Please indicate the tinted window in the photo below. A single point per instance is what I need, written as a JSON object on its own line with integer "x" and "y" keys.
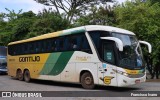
{"x": 77, "y": 42}
{"x": 95, "y": 35}
{"x": 108, "y": 52}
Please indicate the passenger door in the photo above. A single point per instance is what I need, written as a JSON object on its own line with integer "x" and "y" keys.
{"x": 109, "y": 63}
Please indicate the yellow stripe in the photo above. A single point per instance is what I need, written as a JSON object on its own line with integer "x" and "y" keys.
{"x": 132, "y": 71}
{"x": 45, "y": 36}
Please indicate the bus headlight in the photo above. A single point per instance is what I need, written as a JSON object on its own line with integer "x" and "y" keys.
{"x": 122, "y": 73}
{"x": 125, "y": 74}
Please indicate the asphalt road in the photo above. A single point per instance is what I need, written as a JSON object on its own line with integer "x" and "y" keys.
{"x": 10, "y": 84}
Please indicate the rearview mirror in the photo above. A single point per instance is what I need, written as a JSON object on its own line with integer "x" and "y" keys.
{"x": 117, "y": 40}
{"x": 148, "y": 44}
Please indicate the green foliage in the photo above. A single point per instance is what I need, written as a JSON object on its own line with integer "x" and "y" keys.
{"x": 97, "y": 16}
{"x": 12, "y": 15}
{"x": 72, "y": 8}
{"x": 26, "y": 25}
{"x": 143, "y": 19}
{"x": 155, "y": 1}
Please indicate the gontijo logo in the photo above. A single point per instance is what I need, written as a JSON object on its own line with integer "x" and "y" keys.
{"x": 29, "y": 59}
{"x": 107, "y": 79}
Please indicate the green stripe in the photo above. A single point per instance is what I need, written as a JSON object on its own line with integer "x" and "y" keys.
{"x": 73, "y": 32}
{"x": 56, "y": 63}
{"x": 61, "y": 63}
{"x": 48, "y": 66}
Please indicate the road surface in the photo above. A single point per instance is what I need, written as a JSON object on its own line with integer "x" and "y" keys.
{"x": 10, "y": 84}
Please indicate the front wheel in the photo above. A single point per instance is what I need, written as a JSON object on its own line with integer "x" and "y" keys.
{"x": 87, "y": 81}
{"x": 27, "y": 77}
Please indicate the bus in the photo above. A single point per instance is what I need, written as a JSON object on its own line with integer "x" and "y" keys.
{"x": 90, "y": 55}
{"x": 3, "y": 60}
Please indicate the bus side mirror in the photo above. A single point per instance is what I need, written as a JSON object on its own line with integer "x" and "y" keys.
{"x": 117, "y": 40}
{"x": 148, "y": 44}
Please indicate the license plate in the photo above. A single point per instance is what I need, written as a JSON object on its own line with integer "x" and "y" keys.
{"x": 137, "y": 81}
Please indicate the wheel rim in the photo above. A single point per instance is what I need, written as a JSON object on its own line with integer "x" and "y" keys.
{"x": 19, "y": 75}
{"x": 27, "y": 76}
{"x": 88, "y": 80}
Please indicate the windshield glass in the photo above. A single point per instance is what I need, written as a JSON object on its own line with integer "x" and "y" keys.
{"x": 131, "y": 56}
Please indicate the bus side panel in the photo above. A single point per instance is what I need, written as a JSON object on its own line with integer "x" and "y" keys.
{"x": 55, "y": 65}
{"x": 29, "y": 62}
{"x": 69, "y": 73}
{"x": 86, "y": 62}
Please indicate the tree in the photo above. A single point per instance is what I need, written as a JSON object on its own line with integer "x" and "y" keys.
{"x": 2, "y": 22}
{"x": 12, "y": 14}
{"x": 155, "y": 1}
{"x": 71, "y": 7}
{"x": 143, "y": 19}
{"x": 48, "y": 21}
{"x": 97, "y": 16}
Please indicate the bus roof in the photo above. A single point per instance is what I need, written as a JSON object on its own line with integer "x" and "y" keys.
{"x": 74, "y": 31}
{"x": 108, "y": 28}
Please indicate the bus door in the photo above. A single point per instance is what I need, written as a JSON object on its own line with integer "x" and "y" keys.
{"x": 106, "y": 71}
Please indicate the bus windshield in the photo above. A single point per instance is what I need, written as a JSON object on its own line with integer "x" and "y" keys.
{"x": 131, "y": 57}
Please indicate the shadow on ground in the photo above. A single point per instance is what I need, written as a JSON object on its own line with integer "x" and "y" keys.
{"x": 72, "y": 85}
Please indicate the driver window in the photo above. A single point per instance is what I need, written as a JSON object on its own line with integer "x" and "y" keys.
{"x": 108, "y": 53}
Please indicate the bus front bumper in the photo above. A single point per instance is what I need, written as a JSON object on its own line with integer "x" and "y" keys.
{"x": 127, "y": 81}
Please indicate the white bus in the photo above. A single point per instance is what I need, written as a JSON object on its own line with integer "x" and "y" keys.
{"x": 90, "y": 55}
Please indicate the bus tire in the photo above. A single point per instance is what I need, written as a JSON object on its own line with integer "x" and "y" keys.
{"x": 19, "y": 75}
{"x": 27, "y": 76}
{"x": 87, "y": 81}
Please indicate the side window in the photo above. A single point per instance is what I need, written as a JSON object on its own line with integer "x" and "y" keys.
{"x": 108, "y": 52}
{"x": 66, "y": 43}
{"x": 18, "y": 49}
{"x": 31, "y": 48}
{"x": 73, "y": 43}
{"x": 53, "y": 45}
{"x": 77, "y": 42}
{"x": 26, "y": 48}
{"x": 95, "y": 36}
{"x": 61, "y": 44}
{"x": 42, "y": 46}
{"x": 85, "y": 45}
{"x": 23, "y": 48}
{"x": 38, "y": 45}
{"x": 10, "y": 50}
{"x": 48, "y": 45}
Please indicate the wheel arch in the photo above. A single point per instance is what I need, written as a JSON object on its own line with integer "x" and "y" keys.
{"x": 86, "y": 70}
{"x": 28, "y": 70}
